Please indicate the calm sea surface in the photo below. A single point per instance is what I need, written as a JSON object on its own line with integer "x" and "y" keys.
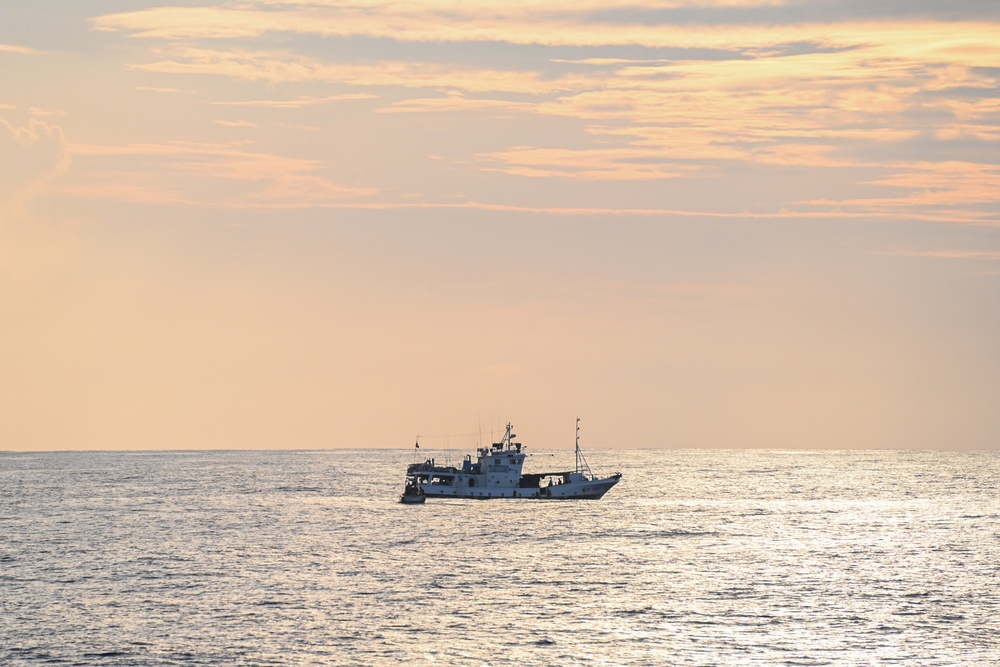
{"x": 306, "y": 558}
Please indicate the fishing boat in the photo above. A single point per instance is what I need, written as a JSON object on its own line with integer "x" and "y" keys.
{"x": 496, "y": 473}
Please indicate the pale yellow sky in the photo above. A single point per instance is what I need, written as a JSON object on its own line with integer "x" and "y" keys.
{"x": 315, "y": 223}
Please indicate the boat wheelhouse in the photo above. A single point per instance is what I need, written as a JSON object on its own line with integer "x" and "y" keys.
{"x": 496, "y": 473}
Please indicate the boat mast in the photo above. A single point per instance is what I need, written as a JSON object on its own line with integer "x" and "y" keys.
{"x": 578, "y": 444}
{"x": 581, "y": 461}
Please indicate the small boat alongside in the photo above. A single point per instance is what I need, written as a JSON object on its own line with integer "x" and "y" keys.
{"x": 412, "y": 494}
{"x": 496, "y": 473}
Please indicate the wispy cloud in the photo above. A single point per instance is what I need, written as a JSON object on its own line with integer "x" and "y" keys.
{"x": 948, "y": 190}
{"x": 218, "y": 175}
{"x": 523, "y": 22}
{"x": 22, "y": 50}
{"x": 289, "y": 67}
{"x": 39, "y": 112}
{"x": 298, "y": 102}
{"x": 591, "y": 164}
{"x": 455, "y": 101}
{"x": 158, "y": 89}
{"x": 946, "y": 254}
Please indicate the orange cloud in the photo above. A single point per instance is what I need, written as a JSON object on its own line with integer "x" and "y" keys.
{"x": 553, "y": 23}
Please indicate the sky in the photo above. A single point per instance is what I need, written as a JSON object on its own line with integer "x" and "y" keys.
{"x": 293, "y": 224}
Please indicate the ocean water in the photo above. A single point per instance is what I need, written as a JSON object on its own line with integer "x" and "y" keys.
{"x": 306, "y": 558}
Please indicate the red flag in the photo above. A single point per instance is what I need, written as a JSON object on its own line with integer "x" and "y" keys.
{"x": 416, "y": 445}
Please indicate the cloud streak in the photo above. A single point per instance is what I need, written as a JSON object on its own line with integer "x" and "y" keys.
{"x": 950, "y": 254}
{"x": 225, "y": 175}
{"x": 20, "y": 50}
{"x": 300, "y": 102}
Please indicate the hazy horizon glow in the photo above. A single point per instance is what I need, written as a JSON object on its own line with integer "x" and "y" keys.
{"x": 315, "y": 223}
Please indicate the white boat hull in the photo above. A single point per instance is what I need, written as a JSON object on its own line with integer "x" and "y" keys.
{"x": 582, "y": 490}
